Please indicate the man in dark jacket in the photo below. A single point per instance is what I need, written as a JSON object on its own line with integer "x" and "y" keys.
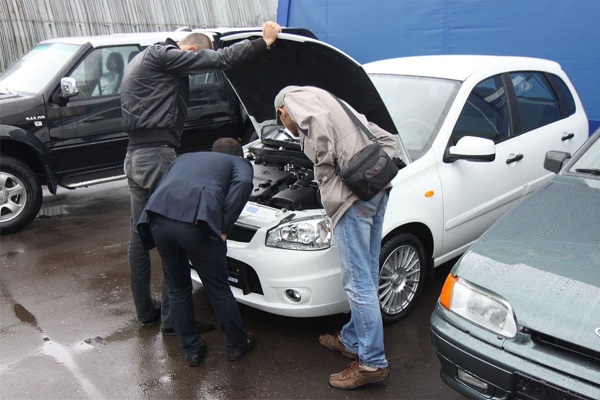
{"x": 153, "y": 102}
{"x": 188, "y": 217}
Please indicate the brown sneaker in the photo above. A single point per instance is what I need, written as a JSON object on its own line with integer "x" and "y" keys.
{"x": 355, "y": 376}
{"x": 333, "y": 342}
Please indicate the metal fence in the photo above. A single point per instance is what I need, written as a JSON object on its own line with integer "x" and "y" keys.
{"x": 23, "y": 23}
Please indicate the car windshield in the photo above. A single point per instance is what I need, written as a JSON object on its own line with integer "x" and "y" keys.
{"x": 418, "y": 106}
{"x": 589, "y": 161}
{"x": 34, "y": 70}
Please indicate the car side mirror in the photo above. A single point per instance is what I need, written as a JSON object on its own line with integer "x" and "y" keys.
{"x": 68, "y": 88}
{"x": 471, "y": 148}
{"x": 555, "y": 160}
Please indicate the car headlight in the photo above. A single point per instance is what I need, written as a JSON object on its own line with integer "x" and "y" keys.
{"x": 301, "y": 234}
{"x": 479, "y": 306}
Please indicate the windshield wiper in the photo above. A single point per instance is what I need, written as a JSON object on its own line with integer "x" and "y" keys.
{"x": 5, "y": 91}
{"x": 593, "y": 171}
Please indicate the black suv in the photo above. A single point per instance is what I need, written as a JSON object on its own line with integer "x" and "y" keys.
{"x": 60, "y": 117}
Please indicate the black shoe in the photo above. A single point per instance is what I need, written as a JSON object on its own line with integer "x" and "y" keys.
{"x": 201, "y": 327}
{"x": 195, "y": 359}
{"x": 234, "y": 354}
{"x": 154, "y": 318}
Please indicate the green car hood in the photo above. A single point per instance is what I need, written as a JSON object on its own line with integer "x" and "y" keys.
{"x": 543, "y": 257}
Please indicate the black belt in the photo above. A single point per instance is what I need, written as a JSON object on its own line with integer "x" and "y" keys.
{"x": 132, "y": 147}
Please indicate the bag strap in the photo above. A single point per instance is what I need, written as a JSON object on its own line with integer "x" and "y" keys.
{"x": 357, "y": 121}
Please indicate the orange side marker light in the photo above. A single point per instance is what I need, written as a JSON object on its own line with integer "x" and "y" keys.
{"x": 446, "y": 295}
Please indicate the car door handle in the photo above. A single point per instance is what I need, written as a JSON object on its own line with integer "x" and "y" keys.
{"x": 516, "y": 158}
{"x": 567, "y": 136}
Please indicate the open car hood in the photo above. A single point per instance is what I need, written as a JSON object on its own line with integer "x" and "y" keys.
{"x": 303, "y": 61}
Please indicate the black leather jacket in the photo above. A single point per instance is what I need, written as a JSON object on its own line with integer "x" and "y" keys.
{"x": 155, "y": 87}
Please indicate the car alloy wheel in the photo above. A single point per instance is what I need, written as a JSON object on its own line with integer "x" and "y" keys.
{"x": 20, "y": 195}
{"x": 401, "y": 276}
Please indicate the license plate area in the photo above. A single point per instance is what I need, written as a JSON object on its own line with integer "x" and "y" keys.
{"x": 528, "y": 388}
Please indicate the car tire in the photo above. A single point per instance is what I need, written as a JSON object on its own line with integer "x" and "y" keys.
{"x": 20, "y": 195}
{"x": 401, "y": 276}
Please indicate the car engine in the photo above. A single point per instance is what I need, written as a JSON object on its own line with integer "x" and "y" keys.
{"x": 283, "y": 175}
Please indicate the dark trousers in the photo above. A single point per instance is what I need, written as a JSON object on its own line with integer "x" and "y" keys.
{"x": 177, "y": 242}
{"x": 144, "y": 169}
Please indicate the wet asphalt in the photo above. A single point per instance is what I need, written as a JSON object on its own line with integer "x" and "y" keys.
{"x": 68, "y": 328}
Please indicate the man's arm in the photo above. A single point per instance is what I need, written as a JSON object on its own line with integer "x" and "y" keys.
{"x": 238, "y": 194}
{"x": 182, "y": 62}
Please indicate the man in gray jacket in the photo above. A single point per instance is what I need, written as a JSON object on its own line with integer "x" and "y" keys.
{"x": 154, "y": 107}
{"x": 328, "y": 133}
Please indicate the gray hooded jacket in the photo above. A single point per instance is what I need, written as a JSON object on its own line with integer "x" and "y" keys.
{"x": 326, "y": 131}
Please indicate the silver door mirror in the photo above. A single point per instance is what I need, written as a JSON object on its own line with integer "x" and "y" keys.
{"x": 68, "y": 87}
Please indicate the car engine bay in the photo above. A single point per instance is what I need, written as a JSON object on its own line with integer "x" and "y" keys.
{"x": 283, "y": 175}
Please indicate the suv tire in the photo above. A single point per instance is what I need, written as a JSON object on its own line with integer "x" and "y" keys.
{"x": 20, "y": 195}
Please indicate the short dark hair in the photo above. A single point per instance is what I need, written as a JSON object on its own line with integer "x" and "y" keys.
{"x": 228, "y": 146}
{"x": 197, "y": 39}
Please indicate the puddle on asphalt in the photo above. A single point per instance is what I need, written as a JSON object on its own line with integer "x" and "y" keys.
{"x": 63, "y": 356}
{"x": 11, "y": 254}
{"x": 24, "y": 315}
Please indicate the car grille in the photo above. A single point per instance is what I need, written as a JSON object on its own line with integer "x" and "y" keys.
{"x": 565, "y": 347}
{"x": 242, "y": 233}
{"x": 243, "y": 276}
{"x": 527, "y": 388}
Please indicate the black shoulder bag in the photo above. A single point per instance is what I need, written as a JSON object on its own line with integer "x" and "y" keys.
{"x": 369, "y": 170}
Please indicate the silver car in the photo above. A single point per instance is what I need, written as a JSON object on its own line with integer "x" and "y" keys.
{"x": 519, "y": 314}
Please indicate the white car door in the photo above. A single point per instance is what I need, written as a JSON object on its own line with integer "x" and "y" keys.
{"x": 475, "y": 193}
{"x": 543, "y": 124}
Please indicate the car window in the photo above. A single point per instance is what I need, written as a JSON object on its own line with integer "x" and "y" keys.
{"x": 418, "y": 107}
{"x": 485, "y": 114}
{"x": 536, "y": 102}
{"x": 197, "y": 81}
{"x": 588, "y": 162}
{"x": 36, "y": 69}
{"x": 100, "y": 73}
{"x": 565, "y": 96}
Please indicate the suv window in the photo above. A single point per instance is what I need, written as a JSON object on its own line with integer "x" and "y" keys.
{"x": 101, "y": 72}
{"x": 536, "y": 102}
{"x": 36, "y": 69}
{"x": 485, "y": 113}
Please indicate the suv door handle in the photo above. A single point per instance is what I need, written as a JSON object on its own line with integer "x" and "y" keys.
{"x": 567, "y": 136}
{"x": 516, "y": 158}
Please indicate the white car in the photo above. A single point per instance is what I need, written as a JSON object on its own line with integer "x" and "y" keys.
{"x": 473, "y": 132}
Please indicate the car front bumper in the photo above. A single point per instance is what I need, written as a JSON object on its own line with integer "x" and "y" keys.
{"x": 261, "y": 277}
{"x": 469, "y": 364}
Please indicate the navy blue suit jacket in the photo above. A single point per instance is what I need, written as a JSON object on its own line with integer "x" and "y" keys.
{"x": 204, "y": 186}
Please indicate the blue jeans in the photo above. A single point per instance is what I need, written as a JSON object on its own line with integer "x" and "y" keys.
{"x": 358, "y": 236}
{"x": 144, "y": 169}
{"x": 177, "y": 242}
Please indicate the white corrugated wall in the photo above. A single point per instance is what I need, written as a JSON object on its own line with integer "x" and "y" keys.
{"x": 23, "y": 23}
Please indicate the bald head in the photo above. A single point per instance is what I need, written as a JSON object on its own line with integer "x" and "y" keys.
{"x": 195, "y": 42}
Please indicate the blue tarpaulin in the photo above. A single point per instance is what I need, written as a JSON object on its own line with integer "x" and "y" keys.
{"x": 566, "y": 31}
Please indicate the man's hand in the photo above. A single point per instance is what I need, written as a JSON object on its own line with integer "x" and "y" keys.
{"x": 223, "y": 237}
{"x": 270, "y": 31}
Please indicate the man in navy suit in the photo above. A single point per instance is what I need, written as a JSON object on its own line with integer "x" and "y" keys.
{"x": 188, "y": 217}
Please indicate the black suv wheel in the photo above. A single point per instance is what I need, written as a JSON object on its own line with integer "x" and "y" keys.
{"x": 20, "y": 195}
